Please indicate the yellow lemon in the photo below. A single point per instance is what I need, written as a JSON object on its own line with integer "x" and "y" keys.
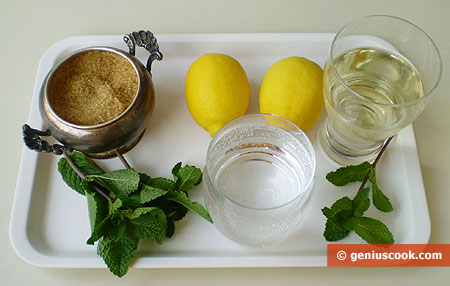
{"x": 217, "y": 91}
{"x": 292, "y": 88}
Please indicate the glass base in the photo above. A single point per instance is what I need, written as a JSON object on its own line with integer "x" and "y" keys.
{"x": 341, "y": 152}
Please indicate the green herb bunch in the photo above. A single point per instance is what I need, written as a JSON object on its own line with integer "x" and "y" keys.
{"x": 347, "y": 215}
{"x": 125, "y": 206}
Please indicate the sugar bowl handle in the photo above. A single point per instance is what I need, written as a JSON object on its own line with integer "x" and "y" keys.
{"x": 32, "y": 139}
{"x": 146, "y": 40}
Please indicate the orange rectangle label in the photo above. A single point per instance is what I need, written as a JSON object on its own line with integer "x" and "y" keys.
{"x": 372, "y": 255}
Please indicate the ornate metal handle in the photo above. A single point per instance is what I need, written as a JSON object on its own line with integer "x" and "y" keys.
{"x": 32, "y": 139}
{"x": 146, "y": 40}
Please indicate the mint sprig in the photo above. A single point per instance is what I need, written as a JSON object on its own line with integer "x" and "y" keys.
{"x": 126, "y": 206}
{"x": 346, "y": 214}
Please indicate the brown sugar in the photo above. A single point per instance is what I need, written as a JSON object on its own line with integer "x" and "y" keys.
{"x": 92, "y": 87}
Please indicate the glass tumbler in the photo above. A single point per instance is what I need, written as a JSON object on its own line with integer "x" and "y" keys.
{"x": 258, "y": 178}
{"x": 379, "y": 77}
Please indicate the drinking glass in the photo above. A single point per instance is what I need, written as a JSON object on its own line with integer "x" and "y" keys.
{"x": 380, "y": 75}
{"x": 258, "y": 179}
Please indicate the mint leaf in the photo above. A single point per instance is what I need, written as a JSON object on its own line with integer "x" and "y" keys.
{"x": 344, "y": 203}
{"x": 329, "y": 213}
{"x": 175, "y": 169}
{"x": 131, "y": 201}
{"x": 145, "y": 179}
{"x": 70, "y": 177}
{"x": 116, "y": 230}
{"x": 120, "y": 182}
{"x": 162, "y": 183}
{"x": 118, "y": 254}
{"x": 344, "y": 206}
{"x": 334, "y": 232}
{"x": 101, "y": 229}
{"x": 371, "y": 230}
{"x": 149, "y": 193}
{"x": 173, "y": 210}
{"x": 182, "y": 198}
{"x": 170, "y": 228}
{"x": 147, "y": 223}
{"x": 97, "y": 209}
{"x": 380, "y": 201}
{"x": 187, "y": 177}
{"x": 112, "y": 226}
{"x": 83, "y": 163}
{"x": 86, "y": 166}
{"x": 133, "y": 214}
{"x": 153, "y": 188}
{"x": 352, "y": 223}
{"x": 349, "y": 174}
{"x": 336, "y": 217}
{"x": 361, "y": 202}
{"x": 115, "y": 206}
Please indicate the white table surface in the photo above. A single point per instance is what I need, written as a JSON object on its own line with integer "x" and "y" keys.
{"x": 28, "y": 28}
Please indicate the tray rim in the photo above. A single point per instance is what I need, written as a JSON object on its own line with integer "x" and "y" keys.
{"x": 23, "y": 192}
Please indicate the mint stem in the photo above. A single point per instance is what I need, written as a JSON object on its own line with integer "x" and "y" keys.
{"x": 376, "y": 161}
{"x": 82, "y": 176}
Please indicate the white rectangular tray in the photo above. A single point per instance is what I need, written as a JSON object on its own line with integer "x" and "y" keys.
{"x": 49, "y": 222}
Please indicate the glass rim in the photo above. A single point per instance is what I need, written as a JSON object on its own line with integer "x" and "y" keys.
{"x": 309, "y": 146}
{"x": 412, "y": 102}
